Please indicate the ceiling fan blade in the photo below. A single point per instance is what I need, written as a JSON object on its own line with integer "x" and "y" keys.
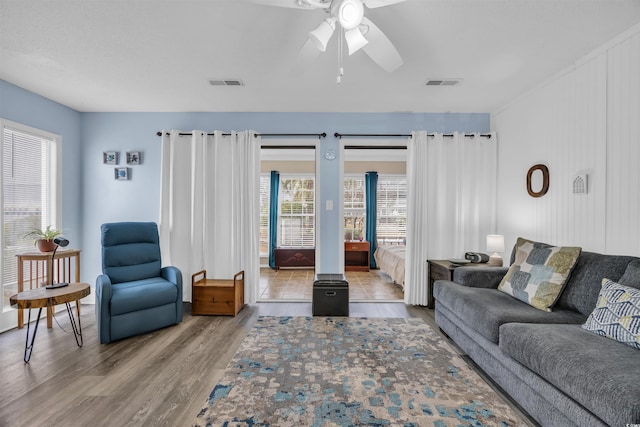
{"x": 308, "y": 52}
{"x": 380, "y": 49}
{"x": 307, "y": 55}
{"x": 294, "y": 4}
{"x": 372, "y": 4}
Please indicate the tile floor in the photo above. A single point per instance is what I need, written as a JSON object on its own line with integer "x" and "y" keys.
{"x": 297, "y": 285}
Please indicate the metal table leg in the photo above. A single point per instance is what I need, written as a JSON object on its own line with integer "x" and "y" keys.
{"x": 77, "y": 329}
{"x": 28, "y": 347}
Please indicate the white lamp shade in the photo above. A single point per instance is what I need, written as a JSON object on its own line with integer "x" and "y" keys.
{"x": 355, "y": 40}
{"x": 495, "y": 243}
{"x": 322, "y": 34}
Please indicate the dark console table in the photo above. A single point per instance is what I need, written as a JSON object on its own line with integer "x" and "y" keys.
{"x": 295, "y": 257}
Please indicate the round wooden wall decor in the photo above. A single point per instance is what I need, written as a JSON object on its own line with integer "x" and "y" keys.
{"x": 545, "y": 180}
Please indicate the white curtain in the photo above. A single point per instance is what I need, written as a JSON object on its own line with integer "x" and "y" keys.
{"x": 209, "y": 206}
{"x": 451, "y": 202}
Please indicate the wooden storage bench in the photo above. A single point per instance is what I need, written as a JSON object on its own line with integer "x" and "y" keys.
{"x": 217, "y": 296}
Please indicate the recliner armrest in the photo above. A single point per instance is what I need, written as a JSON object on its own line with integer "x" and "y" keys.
{"x": 174, "y": 275}
{"x": 479, "y": 277}
{"x": 103, "y": 316}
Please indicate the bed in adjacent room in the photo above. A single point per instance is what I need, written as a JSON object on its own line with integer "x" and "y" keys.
{"x": 391, "y": 260}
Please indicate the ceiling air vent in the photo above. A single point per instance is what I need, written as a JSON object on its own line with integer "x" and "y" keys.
{"x": 443, "y": 82}
{"x": 226, "y": 82}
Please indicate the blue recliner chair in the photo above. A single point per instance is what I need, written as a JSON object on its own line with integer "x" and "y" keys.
{"x": 135, "y": 295}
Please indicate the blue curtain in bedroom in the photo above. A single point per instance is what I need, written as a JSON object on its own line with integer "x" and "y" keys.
{"x": 371, "y": 199}
{"x": 273, "y": 217}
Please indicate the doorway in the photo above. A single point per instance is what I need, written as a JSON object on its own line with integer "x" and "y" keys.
{"x": 287, "y": 221}
{"x": 296, "y": 235}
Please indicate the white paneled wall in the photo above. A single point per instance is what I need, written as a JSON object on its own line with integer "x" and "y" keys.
{"x": 559, "y": 125}
{"x": 585, "y": 121}
{"x": 623, "y": 153}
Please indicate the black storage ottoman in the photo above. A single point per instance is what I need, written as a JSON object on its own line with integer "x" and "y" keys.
{"x": 330, "y": 295}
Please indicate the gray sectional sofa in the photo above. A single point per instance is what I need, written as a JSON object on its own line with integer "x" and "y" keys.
{"x": 561, "y": 374}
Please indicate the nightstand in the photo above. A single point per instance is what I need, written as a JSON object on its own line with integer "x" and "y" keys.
{"x": 440, "y": 269}
{"x": 356, "y": 256}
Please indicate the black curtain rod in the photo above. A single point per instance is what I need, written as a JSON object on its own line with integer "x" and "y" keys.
{"x": 387, "y": 135}
{"x": 159, "y": 133}
{"x": 399, "y": 135}
{"x": 340, "y": 135}
{"x": 375, "y": 147}
{"x": 317, "y": 135}
{"x": 288, "y": 147}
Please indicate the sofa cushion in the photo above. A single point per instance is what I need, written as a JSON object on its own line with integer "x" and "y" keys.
{"x": 600, "y": 374}
{"x": 484, "y": 310}
{"x": 142, "y": 294}
{"x": 539, "y": 272}
{"x": 617, "y": 314}
{"x": 631, "y": 276}
{"x": 582, "y": 288}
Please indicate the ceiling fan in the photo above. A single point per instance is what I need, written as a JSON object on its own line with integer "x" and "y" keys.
{"x": 359, "y": 32}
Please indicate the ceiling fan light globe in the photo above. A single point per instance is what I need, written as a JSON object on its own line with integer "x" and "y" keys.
{"x": 350, "y": 13}
{"x": 322, "y": 34}
{"x": 355, "y": 40}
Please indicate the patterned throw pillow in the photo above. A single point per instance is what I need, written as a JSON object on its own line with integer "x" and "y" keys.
{"x": 539, "y": 272}
{"x": 617, "y": 314}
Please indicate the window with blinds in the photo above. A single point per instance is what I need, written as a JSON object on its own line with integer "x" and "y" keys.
{"x": 296, "y": 216}
{"x": 265, "y": 181}
{"x": 28, "y": 164}
{"x": 354, "y": 207}
{"x": 392, "y": 209}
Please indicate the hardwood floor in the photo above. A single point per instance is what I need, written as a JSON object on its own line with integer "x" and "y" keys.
{"x": 297, "y": 285}
{"x": 159, "y": 379}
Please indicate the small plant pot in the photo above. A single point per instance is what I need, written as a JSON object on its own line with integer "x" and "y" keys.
{"x": 46, "y": 245}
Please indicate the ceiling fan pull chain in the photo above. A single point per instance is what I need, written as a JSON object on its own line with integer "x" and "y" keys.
{"x": 340, "y": 68}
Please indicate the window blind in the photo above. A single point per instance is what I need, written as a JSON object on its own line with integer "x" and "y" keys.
{"x": 354, "y": 207}
{"x": 264, "y": 214}
{"x": 392, "y": 209}
{"x": 25, "y": 194}
{"x": 296, "y": 216}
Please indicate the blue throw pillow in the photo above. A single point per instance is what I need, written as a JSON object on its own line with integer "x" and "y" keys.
{"x": 617, "y": 314}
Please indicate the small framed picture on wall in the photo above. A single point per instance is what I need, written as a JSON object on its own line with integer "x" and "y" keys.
{"x": 110, "y": 157}
{"x": 134, "y": 158}
{"x": 122, "y": 174}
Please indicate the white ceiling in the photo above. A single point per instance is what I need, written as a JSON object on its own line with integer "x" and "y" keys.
{"x": 146, "y": 55}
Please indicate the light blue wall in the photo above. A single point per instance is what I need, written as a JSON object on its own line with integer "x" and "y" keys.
{"x": 27, "y": 108}
{"x": 91, "y": 195}
{"x": 107, "y": 200}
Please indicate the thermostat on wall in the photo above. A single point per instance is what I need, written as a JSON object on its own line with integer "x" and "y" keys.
{"x": 330, "y": 154}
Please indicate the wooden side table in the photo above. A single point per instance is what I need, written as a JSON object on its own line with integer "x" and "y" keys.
{"x": 440, "y": 269}
{"x": 356, "y": 256}
{"x": 35, "y": 270}
{"x": 217, "y": 296}
{"x": 40, "y": 298}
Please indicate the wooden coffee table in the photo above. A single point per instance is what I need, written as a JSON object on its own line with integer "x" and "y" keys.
{"x": 40, "y": 298}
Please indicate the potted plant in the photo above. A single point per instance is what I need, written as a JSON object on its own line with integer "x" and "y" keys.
{"x": 44, "y": 238}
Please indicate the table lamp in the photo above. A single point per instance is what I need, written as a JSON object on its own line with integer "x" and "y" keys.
{"x": 59, "y": 241}
{"x": 495, "y": 245}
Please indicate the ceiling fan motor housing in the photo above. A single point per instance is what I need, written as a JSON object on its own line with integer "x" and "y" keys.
{"x": 348, "y": 12}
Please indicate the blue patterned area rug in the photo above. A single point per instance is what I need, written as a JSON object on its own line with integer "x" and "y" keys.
{"x": 340, "y": 371}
